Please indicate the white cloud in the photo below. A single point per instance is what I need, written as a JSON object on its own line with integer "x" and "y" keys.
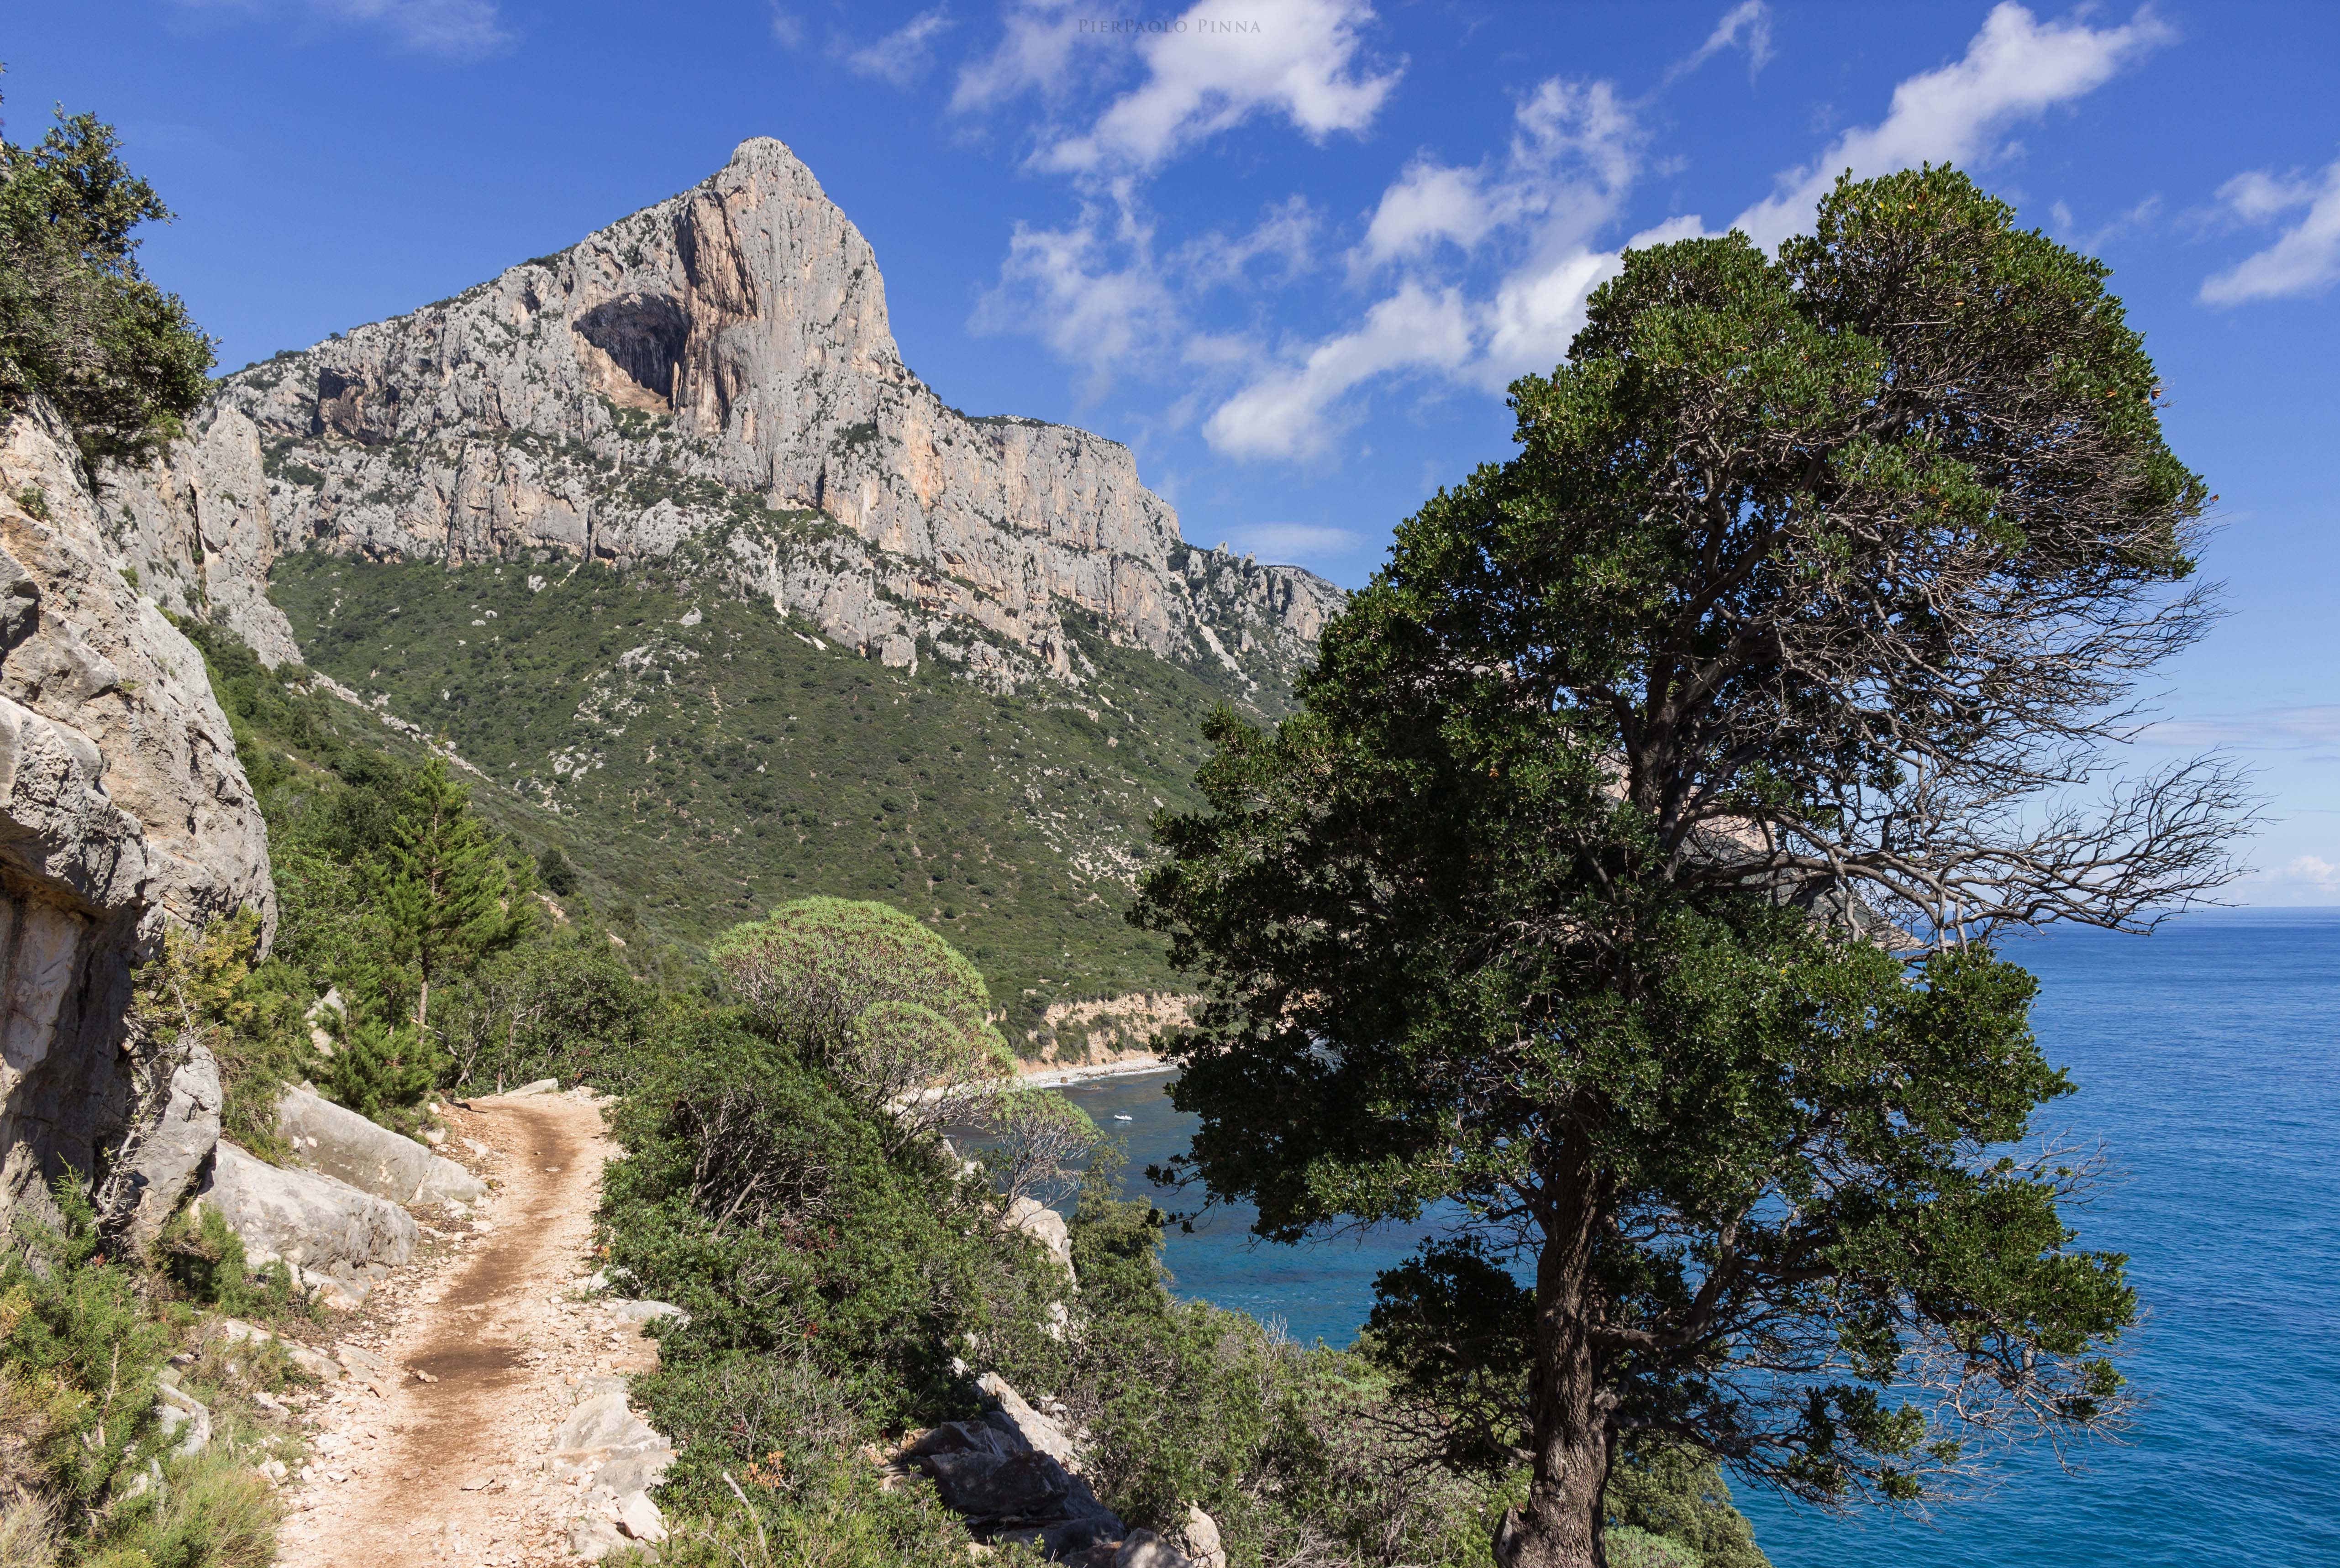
{"x": 1570, "y": 162}
{"x": 2304, "y": 260}
{"x": 2137, "y": 219}
{"x": 1287, "y": 235}
{"x": 1297, "y": 411}
{"x": 1297, "y": 542}
{"x": 1429, "y": 203}
{"x": 788, "y": 27}
{"x": 1573, "y": 159}
{"x": 903, "y": 55}
{"x": 458, "y": 30}
{"x": 2014, "y": 69}
{"x": 1749, "y": 25}
{"x": 2303, "y": 879}
{"x": 1065, "y": 287}
{"x": 1035, "y": 52}
{"x": 1223, "y": 61}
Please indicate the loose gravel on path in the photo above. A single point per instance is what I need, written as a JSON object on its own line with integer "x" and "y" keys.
{"x": 482, "y": 1345}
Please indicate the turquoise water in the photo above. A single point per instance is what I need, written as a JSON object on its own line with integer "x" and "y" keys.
{"x": 2208, "y": 1059}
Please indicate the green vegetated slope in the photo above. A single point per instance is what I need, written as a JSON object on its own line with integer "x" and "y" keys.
{"x": 700, "y": 758}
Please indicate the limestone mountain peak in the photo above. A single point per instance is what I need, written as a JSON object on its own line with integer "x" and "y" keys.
{"x": 711, "y": 378}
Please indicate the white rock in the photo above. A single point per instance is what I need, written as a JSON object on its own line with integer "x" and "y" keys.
{"x": 645, "y": 1311}
{"x": 1200, "y": 1540}
{"x": 370, "y": 1158}
{"x": 120, "y": 799}
{"x": 594, "y": 1539}
{"x": 170, "y": 1144}
{"x": 640, "y": 1517}
{"x": 183, "y": 1419}
{"x": 1045, "y": 1226}
{"x": 312, "y": 1220}
{"x": 1036, "y": 1429}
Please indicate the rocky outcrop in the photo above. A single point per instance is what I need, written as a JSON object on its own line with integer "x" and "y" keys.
{"x": 327, "y": 1230}
{"x": 1015, "y": 1476}
{"x": 158, "y": 1162}
{"x": 345, "y": 1145}
{"x": 121, "y": 804}
{"x": 712, "y": 379}
{"x": 1045, "y": 1226}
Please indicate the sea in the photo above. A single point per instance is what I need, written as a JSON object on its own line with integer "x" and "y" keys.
{"x": 2207, "y": 1060}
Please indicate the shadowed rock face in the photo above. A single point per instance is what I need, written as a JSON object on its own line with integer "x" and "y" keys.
{"x": 719, "y": 369}
{"x": 121, "y": 803}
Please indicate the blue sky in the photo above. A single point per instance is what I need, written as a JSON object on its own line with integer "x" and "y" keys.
{"x": 1292, "y": 250}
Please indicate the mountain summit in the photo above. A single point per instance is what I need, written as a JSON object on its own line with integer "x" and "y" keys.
{"x": 660, "y": 536}
{"x": 719, "y": 369}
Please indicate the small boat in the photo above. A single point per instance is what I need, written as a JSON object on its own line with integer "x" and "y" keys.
{"x": 1117, "y": 1116}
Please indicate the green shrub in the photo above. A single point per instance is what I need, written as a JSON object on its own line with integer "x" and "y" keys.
{"x": 205, "y": 1258}
{"x": 82, "y": 1356}
{"x": 767, "y": 1204}
{"x": 1673, "y": 1495}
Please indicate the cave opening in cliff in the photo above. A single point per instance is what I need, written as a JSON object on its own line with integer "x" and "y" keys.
{"x": 643, "y": 334}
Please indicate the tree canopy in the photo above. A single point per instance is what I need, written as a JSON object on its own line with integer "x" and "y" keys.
{"x": 1626, "y": 881}
{"x": 80, "y": 324}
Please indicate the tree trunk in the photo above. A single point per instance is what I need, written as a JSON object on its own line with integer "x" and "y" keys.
{"x": 1559, "y": 1526}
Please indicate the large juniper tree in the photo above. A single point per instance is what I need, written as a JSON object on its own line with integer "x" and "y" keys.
{"x": 1628, "y": 880}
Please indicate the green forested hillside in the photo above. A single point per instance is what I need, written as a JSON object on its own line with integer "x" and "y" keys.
{"x": 701, "y": 759}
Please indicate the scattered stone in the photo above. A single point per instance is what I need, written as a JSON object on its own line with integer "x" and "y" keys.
{"x": 647, "y": 1311}
{"x": 314, "y": 1363}
{"x": 183, "y": 1419}
{"x": 541, "y": 1086}
{"x": 357, "y": 1360}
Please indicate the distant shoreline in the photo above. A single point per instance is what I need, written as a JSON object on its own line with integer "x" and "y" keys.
{"x": 1128, "y": 1067}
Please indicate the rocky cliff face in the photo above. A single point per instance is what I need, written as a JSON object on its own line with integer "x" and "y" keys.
{"x": 121, "y": 803}
{"x": 713, "y": 377}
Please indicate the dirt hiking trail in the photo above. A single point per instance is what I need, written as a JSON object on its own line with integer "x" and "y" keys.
{"x": 465, "y": 1362}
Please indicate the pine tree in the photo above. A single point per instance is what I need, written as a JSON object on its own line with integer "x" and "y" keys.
{"x": 446, "y": 895}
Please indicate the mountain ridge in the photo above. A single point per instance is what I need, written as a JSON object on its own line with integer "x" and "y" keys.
{"x": 719, "y": 365}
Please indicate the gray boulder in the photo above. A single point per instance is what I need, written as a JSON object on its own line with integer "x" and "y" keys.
{"x": 1045, "y": 1226}
{"x": 1030, "y": 1427}
{"x": 310, "y": 1220}
{"x": 1200, "y": 1540}
{"x": 646, "y": 1311}
{"x": 347, "y": 1147}
{"x": 156, "y": 1167}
